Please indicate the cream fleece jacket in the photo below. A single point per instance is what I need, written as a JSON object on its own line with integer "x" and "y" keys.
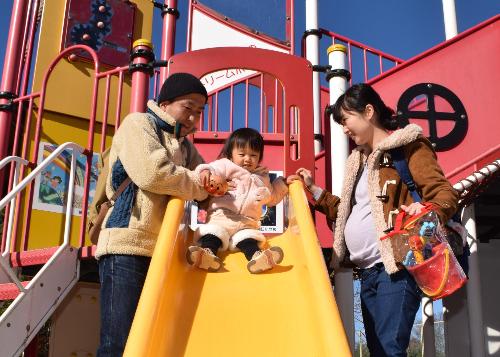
{"x": 160, "y": 170}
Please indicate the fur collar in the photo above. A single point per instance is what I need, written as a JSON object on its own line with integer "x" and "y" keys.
{"x": 400, "y": 137}
{"x": 161, "y": 114}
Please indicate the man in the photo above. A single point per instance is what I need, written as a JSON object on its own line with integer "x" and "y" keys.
{"x": 149, "y": 148}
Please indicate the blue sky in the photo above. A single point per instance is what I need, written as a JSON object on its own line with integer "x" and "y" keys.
{"x": 401, "y": 28}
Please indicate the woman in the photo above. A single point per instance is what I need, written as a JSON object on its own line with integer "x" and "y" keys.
{"x": 372, "y": 195}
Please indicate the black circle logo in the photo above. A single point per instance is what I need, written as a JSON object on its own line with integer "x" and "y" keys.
{"x": 457, "y": 115}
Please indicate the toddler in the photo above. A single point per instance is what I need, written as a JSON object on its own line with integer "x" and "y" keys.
{"x": 233, "y": 218}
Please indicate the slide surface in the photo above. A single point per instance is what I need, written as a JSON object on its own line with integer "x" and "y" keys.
{"x": 288, "y": 311}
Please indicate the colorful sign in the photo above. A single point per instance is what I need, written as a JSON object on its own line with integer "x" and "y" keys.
{"x": 51, "y": 187}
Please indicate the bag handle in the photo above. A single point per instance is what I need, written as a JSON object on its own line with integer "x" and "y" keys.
{"x": 401, "y": 165}
{"x": 439, "y": 290}
{"x": 120, "y": 189}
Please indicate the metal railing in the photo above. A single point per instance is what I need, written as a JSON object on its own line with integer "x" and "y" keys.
{"x": 362, "y": 58}
{"x": 37, "y": 299}
{"x": 23, "y": 140}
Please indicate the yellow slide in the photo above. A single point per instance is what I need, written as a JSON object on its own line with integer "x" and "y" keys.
{"x": 289, "y": 311}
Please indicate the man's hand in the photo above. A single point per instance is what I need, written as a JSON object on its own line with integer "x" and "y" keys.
{"x": 205, "y": 177}
{"x": 216, "y": 186}
{"x": 290, "y": 179}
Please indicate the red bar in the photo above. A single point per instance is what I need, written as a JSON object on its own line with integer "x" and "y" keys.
{"x": 216, "y": 114}
{"x": 140, "y": 84}
{"x": 262, "y": 102}
{"x": 246, "y": 103}
{"x": 119, "y": 101}
{"x": 190, "y": 25}
{"x": 365, "y": 64}
{"x": 36, "y": 140}
{"x": 209, "y": 102}
{"x": 231, "y": 109}
{"x": 155, "y": 83}
{"x": 360, "y": 45}
{"x": 290, "y": 25}
{"x": 168, "y": 37}
{"x": 105, "y": 115}
{"x": 12, "y": 62}
{"x": 29, "y": 48}
{"x": 276, "y": 105}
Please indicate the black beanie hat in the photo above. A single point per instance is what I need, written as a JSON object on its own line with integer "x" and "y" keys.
{"x": 179, "y": 84}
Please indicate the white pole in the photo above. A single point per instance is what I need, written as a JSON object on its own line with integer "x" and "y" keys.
{"x": 450, "y": 19}
{"x": 337, "y": 58}
{"x": 474, "y": 305}
{"x": 344, "y": 293}
{"x": 428, "y": 338}
{"x": 312, "y": 55}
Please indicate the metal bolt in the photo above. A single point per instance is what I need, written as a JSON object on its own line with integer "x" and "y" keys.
{"x": 257, "y": 32}
{"x": 129, "y": 35}
{"x": 225, "y": 18}
{"x": 41, "y": 285}
{"x": 429, "y": 85}
{"x": 8, "y": 324}
{"x": 102, "y": 8}
{"x": 70, "y": 249}
{"x": 400, "y": 112}
{"x": 72, "y": 57}
{"x": 292, "y": 137}
{"x": 171, "y": 61}
{"x": 462, "y": 116}
{"x": 216, "y": 135}
{"x": 58, "y": 288}
{"x": 288, "y": 18}
{"x": 86, "y": 37}
{"x": 28, "y": 327}
{"x": 434, "y": 145}
{"x": 100, "y": 24}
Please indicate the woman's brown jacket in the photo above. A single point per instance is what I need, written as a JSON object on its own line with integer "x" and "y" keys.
{"x": 387, "y": 191}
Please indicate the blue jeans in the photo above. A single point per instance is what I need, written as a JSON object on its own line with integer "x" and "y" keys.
{"x": 389, "y": 304}
{"x": 122, "y": 278}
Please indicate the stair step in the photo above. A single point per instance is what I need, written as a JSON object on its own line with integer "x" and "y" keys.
{"x": 9, "y": 291}
{"x": 32, "y": 257}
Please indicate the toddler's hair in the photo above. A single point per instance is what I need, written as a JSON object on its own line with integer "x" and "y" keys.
{"x": 242, "y": 138}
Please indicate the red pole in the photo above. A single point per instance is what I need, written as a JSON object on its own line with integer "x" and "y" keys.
{"x": 11, "y": 66}
{"x": 170, "y": 15}
{"x": 141, "y": 68}
{"x": 290, "y": 25}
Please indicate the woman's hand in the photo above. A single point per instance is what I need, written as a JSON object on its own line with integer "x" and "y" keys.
{"x": 306, "y": 176}
{"x": 414, "y": 208}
